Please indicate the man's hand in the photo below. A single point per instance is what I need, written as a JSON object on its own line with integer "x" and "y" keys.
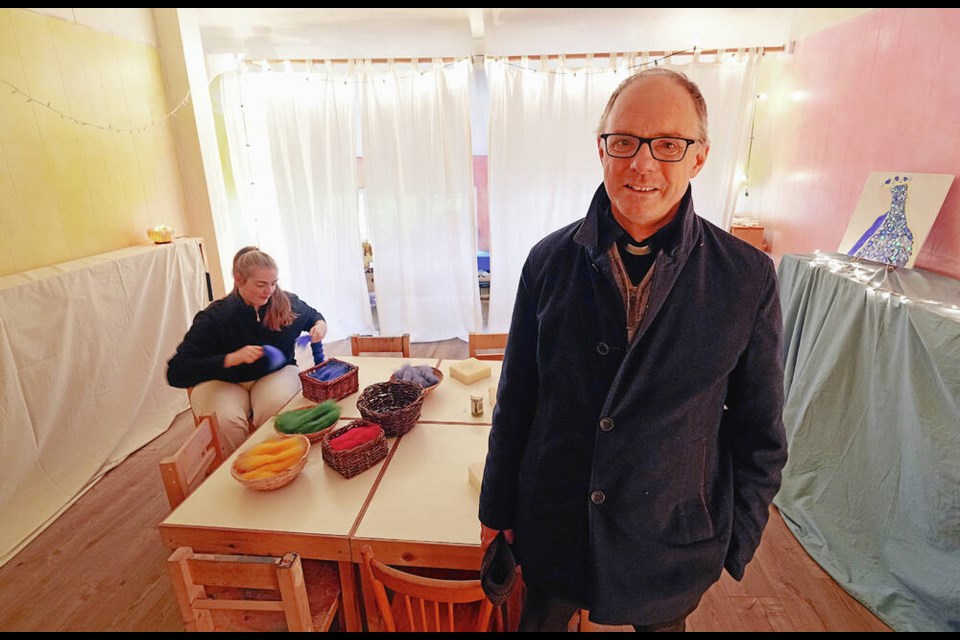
{"x": 243, "y": 355}
{"x": 487, "y": 535}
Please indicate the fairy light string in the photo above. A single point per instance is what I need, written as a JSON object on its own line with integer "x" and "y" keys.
{"x": 109, "y": 127}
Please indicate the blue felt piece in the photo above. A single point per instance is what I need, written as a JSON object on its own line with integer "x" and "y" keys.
{"x": 275, "y": 358}
{"x": 317, "y": 348}
{"x": 330, "y": 371}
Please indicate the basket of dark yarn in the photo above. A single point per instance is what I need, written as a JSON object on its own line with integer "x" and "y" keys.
{"x": 394, "y": 405}
{"x": 357, "y": 457}
{"x": 331, "y": 379}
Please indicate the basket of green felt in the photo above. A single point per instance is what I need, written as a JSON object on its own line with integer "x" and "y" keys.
{"x": 331, "y": 379}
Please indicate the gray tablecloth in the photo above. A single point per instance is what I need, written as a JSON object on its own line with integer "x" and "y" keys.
{"x": 872, "y": 485}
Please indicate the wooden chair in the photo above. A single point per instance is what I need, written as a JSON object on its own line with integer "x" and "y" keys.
{"x": 487, "y": 346}
{"x": 254, "y": 593}
{"x": 427, "y": 604}
{"x": 196, "y": 459}
{"x": 380, "y": 344}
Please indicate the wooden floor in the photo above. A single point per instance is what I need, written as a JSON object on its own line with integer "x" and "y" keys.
{"x": 100, "y": 566}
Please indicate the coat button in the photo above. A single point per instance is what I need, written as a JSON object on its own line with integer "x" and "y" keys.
{"x": 597, "y": 497}
{"x": 602, "y": 348}
{"x": 606, "y": 424}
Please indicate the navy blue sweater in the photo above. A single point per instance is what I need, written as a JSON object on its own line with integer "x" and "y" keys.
{"x": 226, "y": 325}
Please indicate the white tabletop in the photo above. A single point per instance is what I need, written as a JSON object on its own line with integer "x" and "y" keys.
{"x": 425, "y": 494}
{"x": 319, "y": 501}
{"x": 450, "y": 401}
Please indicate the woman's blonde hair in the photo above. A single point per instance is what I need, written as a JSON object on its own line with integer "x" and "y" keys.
{"x": 280, "y": 314}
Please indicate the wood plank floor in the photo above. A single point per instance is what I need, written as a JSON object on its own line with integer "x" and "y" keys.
{"x": 101, "y": 565}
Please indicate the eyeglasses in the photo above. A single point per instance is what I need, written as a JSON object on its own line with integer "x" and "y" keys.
{"x": 664, "y": 149}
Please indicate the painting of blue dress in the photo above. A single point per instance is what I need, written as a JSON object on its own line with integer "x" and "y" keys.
{"x": 894, "y": 216}
{"x": 889, "y": 238}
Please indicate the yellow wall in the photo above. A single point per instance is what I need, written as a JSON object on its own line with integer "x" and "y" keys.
{"x": 69, "y": 190}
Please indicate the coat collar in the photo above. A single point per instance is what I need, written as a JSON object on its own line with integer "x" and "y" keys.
{"x": 599, "y": 228}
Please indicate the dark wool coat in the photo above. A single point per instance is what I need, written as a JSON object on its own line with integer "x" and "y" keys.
{"x": 226, "y": 325}
{"x": 633, "y": 474}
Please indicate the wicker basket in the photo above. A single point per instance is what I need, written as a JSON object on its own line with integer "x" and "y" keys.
{"x": 357, "y": 460}
{"x": 283, "y": 478}
{"x": 426, "y": 390}
{"x": 319, "y": 390}
{"x": 394, "y": 405}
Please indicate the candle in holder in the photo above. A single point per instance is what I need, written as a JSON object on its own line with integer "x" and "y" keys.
{"x": 161, "y": 234}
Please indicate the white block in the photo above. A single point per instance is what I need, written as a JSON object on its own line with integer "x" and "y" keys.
{"x": 470, "y": 370}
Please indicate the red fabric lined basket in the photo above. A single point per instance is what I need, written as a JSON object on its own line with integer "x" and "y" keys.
{"x": 353, "y": 461}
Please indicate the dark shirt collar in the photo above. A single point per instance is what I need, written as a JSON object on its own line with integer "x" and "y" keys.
{"x": 608, "y": 230}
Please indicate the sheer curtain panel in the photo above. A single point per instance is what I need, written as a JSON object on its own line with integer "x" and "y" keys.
{"x": 294, "y": 152}
{"x": 415, "y": 123}
{"x": 544, "y": 164}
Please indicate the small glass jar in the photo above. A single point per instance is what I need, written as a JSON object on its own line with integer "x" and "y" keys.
{"x": 476, "y": 404}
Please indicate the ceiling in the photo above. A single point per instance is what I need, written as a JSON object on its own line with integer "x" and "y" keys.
{"x": 426, "y": 32}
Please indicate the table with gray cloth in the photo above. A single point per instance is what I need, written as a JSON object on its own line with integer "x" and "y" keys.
{"x": 872, "y": 485}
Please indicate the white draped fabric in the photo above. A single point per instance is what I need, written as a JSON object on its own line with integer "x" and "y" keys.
{"x": 292, "y": 148}
{"x": 544, "y": 161}
{"x": 83, "y": 352}
{"x": 415, "y": 125}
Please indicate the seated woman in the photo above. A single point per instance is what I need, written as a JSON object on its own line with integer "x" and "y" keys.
{"x": 227, "y": 358}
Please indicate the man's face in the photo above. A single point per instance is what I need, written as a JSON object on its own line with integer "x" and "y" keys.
{"x": 645, "y": 193}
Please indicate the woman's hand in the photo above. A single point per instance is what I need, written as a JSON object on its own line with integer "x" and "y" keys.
{"x": 318, "y": 331}
{"x": 243, "y": 355}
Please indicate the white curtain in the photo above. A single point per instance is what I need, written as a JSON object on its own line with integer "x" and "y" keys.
{"x": 419, "y": 198}
{"x": 545, "y": 166}
{"x": 292, "y": 140}
{"x": 543, "y": 162}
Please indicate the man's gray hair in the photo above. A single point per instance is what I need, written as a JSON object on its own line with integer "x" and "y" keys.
{"x": 676, "y": 76}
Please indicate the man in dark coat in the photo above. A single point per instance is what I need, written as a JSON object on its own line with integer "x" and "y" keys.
{"x": 637, "y": 439}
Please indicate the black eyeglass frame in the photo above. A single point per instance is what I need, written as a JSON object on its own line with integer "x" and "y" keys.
{"x": 649, "y": 143}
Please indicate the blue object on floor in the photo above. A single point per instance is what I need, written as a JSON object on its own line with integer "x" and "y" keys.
{"x": 483, "y": 261}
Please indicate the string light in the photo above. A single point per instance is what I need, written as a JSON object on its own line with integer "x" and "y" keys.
{"x": 46, "y": 105}
{"x": 263, "y": 66}
{"x": 863, "y": 274}
{"x": 590, "y": 71}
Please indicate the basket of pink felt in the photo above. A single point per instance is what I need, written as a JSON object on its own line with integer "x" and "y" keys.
{"x": 331, "y": 379}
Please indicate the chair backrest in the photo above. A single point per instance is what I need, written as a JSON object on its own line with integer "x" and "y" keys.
{"x": 271, "y": 593}
{"x": 196, "y": 459}
{"x": 426, "y": 604}
{"x": 487, "y": 346}
{"x": 380, "y": 344}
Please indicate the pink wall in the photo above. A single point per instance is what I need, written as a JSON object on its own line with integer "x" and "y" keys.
{"x": 483, "y": 202}
{"x": 880, "y": 92}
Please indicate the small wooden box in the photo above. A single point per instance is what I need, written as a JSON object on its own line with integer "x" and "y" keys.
{"x": 751, "y": 234}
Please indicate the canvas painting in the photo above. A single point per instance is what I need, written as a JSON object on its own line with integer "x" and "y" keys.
{"x": 894, "y": 216}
